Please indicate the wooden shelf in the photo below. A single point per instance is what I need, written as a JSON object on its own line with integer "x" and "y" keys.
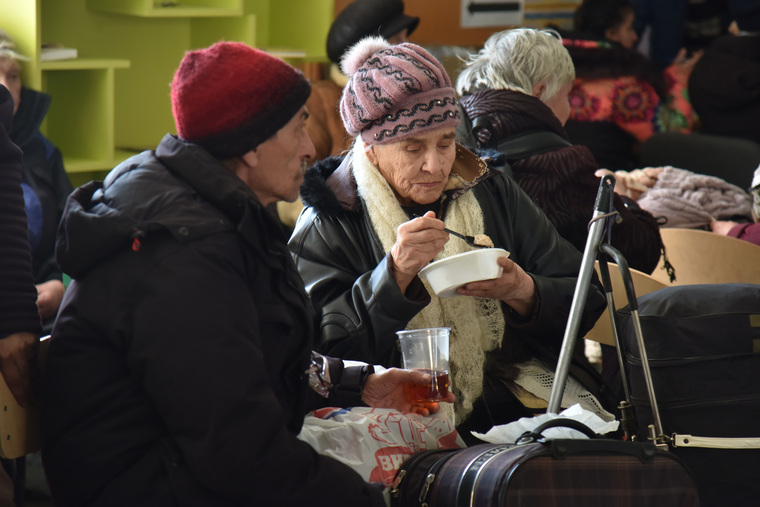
{"x": 84, "y": 64}
{"x": 175, "y": 9}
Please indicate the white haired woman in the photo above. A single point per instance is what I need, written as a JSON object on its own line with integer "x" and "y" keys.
{"x": 376, "y": 217}
{"x": 518, "y": 84}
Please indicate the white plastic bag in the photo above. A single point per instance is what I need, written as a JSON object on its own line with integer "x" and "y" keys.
{"x": 375, "y": 441}
{"x": 509, "y": 433}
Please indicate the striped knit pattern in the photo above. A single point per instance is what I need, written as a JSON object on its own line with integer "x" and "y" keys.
{"x": 398, "y": 92}
{"x": 18, "y": 296}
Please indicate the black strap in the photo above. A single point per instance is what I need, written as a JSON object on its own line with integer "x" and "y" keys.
{"x": 537, "y": 434}
{"x": 531, "y": 143}
{"x": 519, "y": 146}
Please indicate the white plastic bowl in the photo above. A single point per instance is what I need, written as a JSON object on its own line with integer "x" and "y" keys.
{"x": 445, "y": 275}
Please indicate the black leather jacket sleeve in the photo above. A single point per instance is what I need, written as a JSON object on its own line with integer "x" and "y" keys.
{"x": 351, "y": 286}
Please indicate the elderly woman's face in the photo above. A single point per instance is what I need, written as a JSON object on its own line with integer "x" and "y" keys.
{"x": 417, "y": 168}
{"x": 10, "y": 76}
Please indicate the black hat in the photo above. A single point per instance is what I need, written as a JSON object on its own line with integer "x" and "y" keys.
{"x": 367, "y": 17}
{"x": 746, "y": 13}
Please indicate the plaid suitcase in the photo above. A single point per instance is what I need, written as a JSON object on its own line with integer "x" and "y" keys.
{"x": 546, "y": 473}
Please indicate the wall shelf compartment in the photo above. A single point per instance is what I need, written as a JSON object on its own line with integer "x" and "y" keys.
{"x": 82, "y": 125}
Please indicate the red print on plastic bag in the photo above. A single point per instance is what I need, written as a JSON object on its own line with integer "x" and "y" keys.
{"x": 375, "y": 442}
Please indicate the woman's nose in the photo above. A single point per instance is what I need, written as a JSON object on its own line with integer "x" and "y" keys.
{"x": 433, "y": 162}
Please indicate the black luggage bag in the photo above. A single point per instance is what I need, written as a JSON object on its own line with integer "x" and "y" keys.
{"x": 703, "y": 349}
{"x": 546, "y": 473}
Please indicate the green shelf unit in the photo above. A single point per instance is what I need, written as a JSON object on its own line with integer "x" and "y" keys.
{"x": 173, "y": 9}
{"x": 113, "y": 100}
{"x": 82, "y": 125}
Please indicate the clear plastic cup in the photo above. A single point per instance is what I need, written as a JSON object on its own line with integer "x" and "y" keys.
{"x": 426, "y": 350}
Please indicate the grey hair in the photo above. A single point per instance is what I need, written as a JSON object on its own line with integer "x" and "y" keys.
{"x": 8, "y": 48}
{"x": 519, "y": 59}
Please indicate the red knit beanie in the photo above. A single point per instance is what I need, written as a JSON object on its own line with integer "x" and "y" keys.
{"x": 229, "y": 98}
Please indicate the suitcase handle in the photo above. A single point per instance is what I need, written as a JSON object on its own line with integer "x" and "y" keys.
{"x": 597, "y": 444}
{"x": 537, "y": 434}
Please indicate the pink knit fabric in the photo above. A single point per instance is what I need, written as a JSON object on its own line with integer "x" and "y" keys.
{"x": 395, "y": 92}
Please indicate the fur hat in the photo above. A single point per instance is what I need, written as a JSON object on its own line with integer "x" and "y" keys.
{"x": 364, "y": 18}
{"x": 394, "y": 92}
{"x": 229, "y": 97}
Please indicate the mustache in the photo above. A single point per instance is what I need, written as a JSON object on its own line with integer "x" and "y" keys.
{"x": 304, "y": 165}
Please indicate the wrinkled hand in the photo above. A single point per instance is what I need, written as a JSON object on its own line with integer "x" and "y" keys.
{"x": 386, "y": 390}
{"x": 515, "y": 287}
{"x": 685, "y": 63}
{"x": 49, "y": 297}
{"x": 621, "y": 188}
{"x": 634, "y": 183}
{"x": 418, "y": 241}
{"x": 722, "y": 227}
{"x": 16, "y": 352}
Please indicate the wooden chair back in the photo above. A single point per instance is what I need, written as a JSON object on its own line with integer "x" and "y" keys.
{"x": 705, "y": 257}
{"x": 20, "y": 426}
{"x": 642, "y": 283}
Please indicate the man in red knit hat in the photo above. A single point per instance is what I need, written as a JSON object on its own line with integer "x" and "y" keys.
{"x": 180, "y": 364}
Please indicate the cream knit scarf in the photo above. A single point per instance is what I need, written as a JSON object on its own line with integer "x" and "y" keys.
{"x": 470, "y": 337}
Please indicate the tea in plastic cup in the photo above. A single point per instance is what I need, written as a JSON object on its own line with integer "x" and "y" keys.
{"x": 426, "y": 350}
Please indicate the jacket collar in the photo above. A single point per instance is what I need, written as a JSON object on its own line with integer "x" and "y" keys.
{"x": 28, "y": 119}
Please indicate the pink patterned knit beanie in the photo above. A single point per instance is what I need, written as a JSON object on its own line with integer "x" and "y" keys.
{"x": 395, "y": 92}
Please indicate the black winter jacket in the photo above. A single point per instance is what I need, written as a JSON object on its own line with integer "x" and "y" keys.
{"x": 175, "y": 370}
{"x": 346, "y": 270}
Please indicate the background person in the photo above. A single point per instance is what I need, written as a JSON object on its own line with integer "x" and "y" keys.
{"x": 179, "y": 367}
{"x": 359, "y": 19}
{"x": 519, "y": 83}
{"x": 45, "y": 182}
{"x": 748, "y": 231}
{"x": 619, "y": 98}
{"x": 725, "y": 84}
{"x": 359, "y": 247}
{"x": 19, "y": 319}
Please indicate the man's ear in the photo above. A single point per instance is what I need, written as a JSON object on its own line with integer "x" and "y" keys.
{"x": 538, "y": 89}
{"x": 251, "y": 158}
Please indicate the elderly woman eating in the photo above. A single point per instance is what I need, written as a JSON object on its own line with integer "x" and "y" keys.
{"x": 374, "y": 218}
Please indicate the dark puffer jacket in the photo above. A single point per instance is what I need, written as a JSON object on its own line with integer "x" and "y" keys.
{"x": 175, "y": 374}
{"x": 562, "y": 181}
